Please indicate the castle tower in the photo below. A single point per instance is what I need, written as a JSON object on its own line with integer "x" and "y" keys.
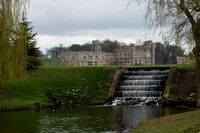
{"x": 132, "y": 48}
{"x": 150, "y": 51}
{"x": 97, "y": 48}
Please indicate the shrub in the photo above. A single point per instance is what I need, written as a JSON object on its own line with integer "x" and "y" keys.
{"x": 33, "y": 63}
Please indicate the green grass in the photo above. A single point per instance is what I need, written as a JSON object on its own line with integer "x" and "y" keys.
{"x": 50, "y": 62}
{"x": 188, "y": 122}
{"x": 47, "y": 86}
{"x": 60, "y": 85}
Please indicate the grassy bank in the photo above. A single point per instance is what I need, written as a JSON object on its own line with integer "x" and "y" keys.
{"x": 64, "y": 85}
{"x": 188, "y": 122}
{"x": 60, "y": 85}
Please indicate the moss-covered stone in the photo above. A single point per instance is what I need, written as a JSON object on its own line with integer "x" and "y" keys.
{"x": 181, "y": 88}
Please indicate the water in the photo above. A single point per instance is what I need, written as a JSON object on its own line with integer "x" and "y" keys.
{"x": 99, "y": 119}
{"x": 138, "y": 87}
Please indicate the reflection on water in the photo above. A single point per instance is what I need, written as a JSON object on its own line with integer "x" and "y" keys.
{"x": 102, "y": 119}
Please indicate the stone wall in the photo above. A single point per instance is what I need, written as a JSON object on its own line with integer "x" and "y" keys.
{"x": 181, "y": 89}
{"x": 114, "y": 79}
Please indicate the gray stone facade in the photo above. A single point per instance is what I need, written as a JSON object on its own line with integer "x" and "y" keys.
{"x": 125, "y": 55}
{"x": 185, "y": 60}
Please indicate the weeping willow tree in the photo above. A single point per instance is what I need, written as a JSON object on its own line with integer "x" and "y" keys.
{"x": 12, "y": 46}
{"x": 181, "y": 18}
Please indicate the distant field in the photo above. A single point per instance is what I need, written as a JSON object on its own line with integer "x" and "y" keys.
{"x": 50, "y": 62}
{"x": 55, "y": 62}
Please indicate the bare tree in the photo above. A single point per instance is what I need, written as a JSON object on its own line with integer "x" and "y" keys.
{"x": 183, "y": 18}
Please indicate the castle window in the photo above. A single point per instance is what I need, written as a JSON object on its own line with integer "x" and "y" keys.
{"x": 120, "y": 54}
{"x": 96, "y": 63}
{"x": 84, "y": 57}
{"x": 103, "y": 57}
{"x": 90, "y": 63}
{"x": 72, "y": 57}
{"x": 96, "y": 57}
{"x": 136, "y": 54}
{"x": 140, "y": 62}
{"x": 135, "y": 62}
{"x": 148, "y": 54}
{"x": 90, "y": 57}
{"x": 125, "y": 54}
{"x": 128, "y": 54}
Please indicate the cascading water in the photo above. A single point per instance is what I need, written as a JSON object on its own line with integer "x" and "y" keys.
{"x": 141, "y": 87}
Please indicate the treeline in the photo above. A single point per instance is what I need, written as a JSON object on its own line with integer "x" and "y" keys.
{"x": 106, "y": 45}
{"x": 164, "y": 53}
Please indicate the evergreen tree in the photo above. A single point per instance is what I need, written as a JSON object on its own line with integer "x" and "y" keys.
{"x": 30, "y": 42}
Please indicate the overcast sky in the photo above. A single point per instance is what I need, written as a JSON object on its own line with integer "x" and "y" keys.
{"x": 79, "y": 21}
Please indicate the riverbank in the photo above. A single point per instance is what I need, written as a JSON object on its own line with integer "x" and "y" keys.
{"x": 61, "y": 86}
{"x": 57, "y": 86}
{"x": 188, "y": 122}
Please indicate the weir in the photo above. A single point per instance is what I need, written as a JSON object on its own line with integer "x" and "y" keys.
{"x": 141, "y": 87}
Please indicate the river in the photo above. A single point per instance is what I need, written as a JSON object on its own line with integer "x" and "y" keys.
{"x": 96, "y": 119}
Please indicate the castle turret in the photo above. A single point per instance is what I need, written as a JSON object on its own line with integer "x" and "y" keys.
{"x": 97, "y": 48}
{"x": 151, "y": 46}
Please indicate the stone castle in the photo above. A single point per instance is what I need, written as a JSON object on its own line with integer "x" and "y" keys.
{"x": 124, "y": 55}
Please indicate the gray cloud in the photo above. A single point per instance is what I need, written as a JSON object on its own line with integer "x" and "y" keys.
{"x": 80, "y": 21}
{"x": 70, "y": 16}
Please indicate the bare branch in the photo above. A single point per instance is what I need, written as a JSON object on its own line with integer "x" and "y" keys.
{"x": 186, "y": 11}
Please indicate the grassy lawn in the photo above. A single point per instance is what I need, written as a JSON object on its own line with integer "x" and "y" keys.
{"x": 46, "y": 86}
{"x": 188, "y": 122}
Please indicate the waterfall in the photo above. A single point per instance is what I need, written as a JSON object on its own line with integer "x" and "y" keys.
{"x": 141, "y": 87}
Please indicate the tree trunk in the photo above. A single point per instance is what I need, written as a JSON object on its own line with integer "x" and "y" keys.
{"x": 0, "y": 87}
{"x": 0, "y": 91}
{"x": 1, "y": 73}
{"x": 198, "y": 80}
{"x": 196, "y": 51}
